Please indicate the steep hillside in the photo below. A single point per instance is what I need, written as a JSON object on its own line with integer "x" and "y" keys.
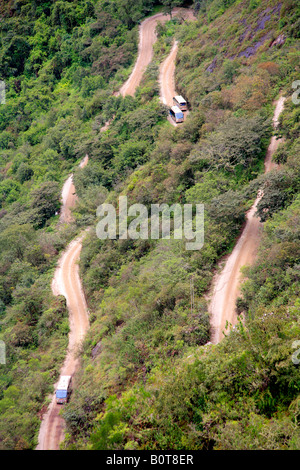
{"x": 148, "y": 378}
{"x": 60, "y": 62}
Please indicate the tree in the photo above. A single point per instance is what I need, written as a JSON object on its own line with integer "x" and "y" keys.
{"x": 131, "y": 154}
{"x": 15, "y": 240}
{"x": 278, "y": 190}
{"x": 13, "y": 59}
{"x": 228, "y": 208}
{"x": 239, "y": 141}
{"x": 9, "y": 191}
{"x": 24, "y": 172}
{"x": 45, "y": 202}
{"x": 169, "y": 5}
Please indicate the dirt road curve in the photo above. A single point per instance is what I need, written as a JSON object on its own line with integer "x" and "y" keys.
{"x": 226, "y": 286}
{"x": 269, "y": 165}
{"x": 167, "y": 72}
{"x": 66, "y": 280}
{"x": 167, "y": 79}
{"x": 147, "y": 39}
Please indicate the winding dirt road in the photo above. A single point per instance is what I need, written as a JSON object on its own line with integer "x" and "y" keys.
{"x": 167, "y": 80}
{"x": 69, "y": 197}
{"x": 226, "y": 286}
{"x": 167, "y": 72}
{"x": 167, "y": 77}
{"x": 147, "y": 35}
{"x": 66, "y": 280}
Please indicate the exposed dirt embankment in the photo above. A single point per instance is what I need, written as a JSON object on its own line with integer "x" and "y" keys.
{"x": 226, "y": 286}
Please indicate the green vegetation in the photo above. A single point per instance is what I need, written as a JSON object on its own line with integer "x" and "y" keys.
{"x": 148, "y": 379}
{"x": 61, "y": 62}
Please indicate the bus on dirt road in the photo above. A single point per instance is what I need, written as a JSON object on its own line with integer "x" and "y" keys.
{"x": 179, "y": 101}
{"x": 63, "y": 389}
{"x": 176, "y": 114}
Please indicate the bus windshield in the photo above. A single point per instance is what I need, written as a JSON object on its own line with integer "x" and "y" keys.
{"x": 61, "y": 394}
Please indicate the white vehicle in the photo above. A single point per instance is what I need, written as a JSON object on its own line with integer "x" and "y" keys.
{"x": 179, "y": 101}
{"x": 176, "y": 114}
{"x": 63, "y": 389}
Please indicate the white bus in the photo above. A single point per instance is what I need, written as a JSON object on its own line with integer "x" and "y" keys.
{"x": 176, "y": 114}
{"x": 63, "y": 389}
{"x": 179, "y": 101}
